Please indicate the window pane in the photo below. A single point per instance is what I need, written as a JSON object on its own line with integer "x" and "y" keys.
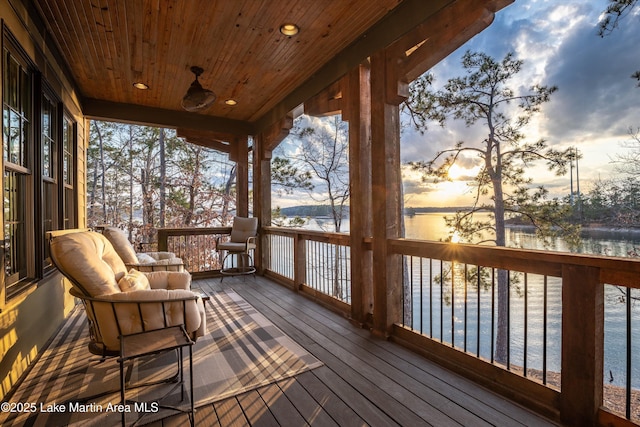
{"x": 49, "y": 200}
{"x": 49, "y": 148}
{"x": 14, "y": 228}
{"x": 17, "y": 185}
{"x": 25, "y": 95}
{"x": 68, "y": 144}
{"x": 13, "y": 87}
{"x": 14, "y": 138}
{"x": 69, "y": 211}
{"x": 6, "y": 132}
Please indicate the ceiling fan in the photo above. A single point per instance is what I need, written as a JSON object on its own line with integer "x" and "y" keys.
{"x": 197, "y": 98}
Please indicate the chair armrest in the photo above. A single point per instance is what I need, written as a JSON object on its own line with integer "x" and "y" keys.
{"x": 126, "y": 313}
{"x": 169, "y": 279}
{"x": 251, "y": 243}
{"x": 162, "y": 255}
{"x": 175, "y": 264}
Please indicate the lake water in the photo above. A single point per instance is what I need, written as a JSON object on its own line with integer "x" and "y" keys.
{"x": 429, "y": 309}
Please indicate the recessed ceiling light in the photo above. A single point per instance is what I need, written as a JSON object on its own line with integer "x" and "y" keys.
{"x": 140, "y": 85}
{"x": 289, "y": 29}
{"x": 231, "y": 102}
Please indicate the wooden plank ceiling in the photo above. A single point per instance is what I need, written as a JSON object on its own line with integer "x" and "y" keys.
{"x": 110, "y": 44}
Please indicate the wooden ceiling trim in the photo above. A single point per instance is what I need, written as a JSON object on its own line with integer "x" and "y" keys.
{"x": 328, "y": 102}
{"x": 218, "y": 141}
{"x": 132, "y": 113}
{"x": 401, "y": 20}
{"x": 442, "y": 34}
{"x": 274, "y": 135}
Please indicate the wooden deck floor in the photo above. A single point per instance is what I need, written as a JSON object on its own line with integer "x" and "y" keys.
{"x": 364, "y": 380}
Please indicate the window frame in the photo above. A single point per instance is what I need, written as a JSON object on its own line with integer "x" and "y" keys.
{"x": 24, "y": 271}
{"x": 68, "y": 206}
{"x": 49, "y": 182}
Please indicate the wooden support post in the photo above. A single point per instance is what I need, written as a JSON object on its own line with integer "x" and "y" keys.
{"x": 242, "y": 176}
{"x": 582, "y": 345}
{"x": 261, "y": 197}
{"x": 386, "y": 196}
{"x": 263, "y": 144}
{"x": 299, "y": 262}
{"x": 357, "y": 111}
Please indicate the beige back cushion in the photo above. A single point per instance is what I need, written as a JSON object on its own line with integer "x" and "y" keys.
{"x": 243, "y": 228}
{"x": 89, "y": 260}
{"x": 121, "y": 244}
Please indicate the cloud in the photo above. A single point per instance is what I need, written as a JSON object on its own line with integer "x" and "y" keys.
{"x": 596, "y": 102}
{"x": 597, "y": 96}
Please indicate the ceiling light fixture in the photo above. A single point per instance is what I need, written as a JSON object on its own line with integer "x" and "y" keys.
{"x": 140, "y": 85}
{"x": 231, "y": 102}
{"x": 197, "y": 97}
{"x": 289, "y": 29}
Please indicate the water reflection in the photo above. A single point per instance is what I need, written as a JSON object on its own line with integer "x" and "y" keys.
{"x": 432, "y": 308}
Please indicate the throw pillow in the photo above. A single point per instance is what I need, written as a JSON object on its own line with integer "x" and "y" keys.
{"x": 145, "y": 258}
{"x": 134, "y": 280}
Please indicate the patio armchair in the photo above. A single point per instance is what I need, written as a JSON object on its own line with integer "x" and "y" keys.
{"x": 142, "y": 261}
{"x": 241, "y": 242}
{"x": 121, "y": 301}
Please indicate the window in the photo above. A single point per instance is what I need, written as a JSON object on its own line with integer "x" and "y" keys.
{"x": 39, "y": 160}
{"x": 17, "y": 172}
{"x": 68, "y": 166}
{"x": 14, "y": 228}
{"x": 48, "y": 142}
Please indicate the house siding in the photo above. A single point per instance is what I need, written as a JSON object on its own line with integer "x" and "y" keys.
{"x": 29, "y": 320}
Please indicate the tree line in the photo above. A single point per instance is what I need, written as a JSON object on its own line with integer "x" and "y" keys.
{"x": 143, "y": 178}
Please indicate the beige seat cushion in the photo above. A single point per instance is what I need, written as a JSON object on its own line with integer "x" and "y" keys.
{"x": 154, "y": 314}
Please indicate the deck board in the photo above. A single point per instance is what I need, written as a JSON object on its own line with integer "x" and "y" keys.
{"x": 380, "y": 381}
{"x": 256, "y": 409}
{"x": 408, "y": 372}
{"x": 364, "y": 380}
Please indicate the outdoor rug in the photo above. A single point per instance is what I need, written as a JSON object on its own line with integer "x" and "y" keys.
{"x": 242, "y": 351}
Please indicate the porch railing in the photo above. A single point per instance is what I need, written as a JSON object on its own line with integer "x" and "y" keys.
{"x": 565, "y": 317}
{"x": 196, "y": 247}
{"x": 310, "y": 261}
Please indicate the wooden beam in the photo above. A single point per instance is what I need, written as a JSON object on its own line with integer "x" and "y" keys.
{"x": 433, "y": 40}
{"x": 326, "y": 103}
{"x": 357, "y": 111}
{"x": 241, "y": 157}
{"x": 275, "y": 134}
{"x": 217, "y": 141}
{"x": 138, "y": 114}
{"x": 261, "y": 197}
{"x": 386, "y": 200}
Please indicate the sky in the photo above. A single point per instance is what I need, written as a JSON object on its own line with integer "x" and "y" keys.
{"x": 596, "y": 104}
